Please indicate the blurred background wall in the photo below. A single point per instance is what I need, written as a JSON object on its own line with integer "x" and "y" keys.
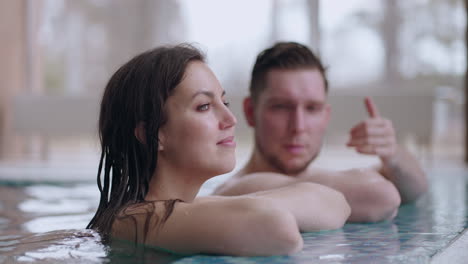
{"x": 57, "y": 56}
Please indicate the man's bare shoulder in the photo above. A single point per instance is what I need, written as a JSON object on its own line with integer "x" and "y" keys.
{"x": 245, "y": 179}
{"x": 247, "y": 182}
{"x": 346, "y": 176}
{"x": 229, "y": 182}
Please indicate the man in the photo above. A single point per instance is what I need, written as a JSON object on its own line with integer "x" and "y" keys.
{"x": 288, "y": 110}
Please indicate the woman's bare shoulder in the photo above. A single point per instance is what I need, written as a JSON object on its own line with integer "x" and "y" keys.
{"x": 211, "y": 224}
{"x": 136, "y": 221}
{"x": 142, "y": 221}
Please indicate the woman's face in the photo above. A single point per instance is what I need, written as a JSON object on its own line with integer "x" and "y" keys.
{"x": 198, "y": 137}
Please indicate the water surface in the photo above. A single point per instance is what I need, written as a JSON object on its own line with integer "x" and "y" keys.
{"x": 44, "y": 223}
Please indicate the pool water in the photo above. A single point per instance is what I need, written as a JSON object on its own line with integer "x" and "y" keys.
{"x": 45, "y": 224}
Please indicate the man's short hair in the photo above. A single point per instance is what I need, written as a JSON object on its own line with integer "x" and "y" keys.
{"x": 283, "y": 55}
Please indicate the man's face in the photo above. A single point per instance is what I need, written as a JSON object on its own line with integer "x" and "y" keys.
{"x": 290, "y": 118}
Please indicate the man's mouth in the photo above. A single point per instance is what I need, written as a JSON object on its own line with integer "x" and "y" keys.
{"x": 295, "y": 148}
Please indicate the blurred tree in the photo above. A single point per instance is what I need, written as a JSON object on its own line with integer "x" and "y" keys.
{"x": 90, "y": 39}
{"x": 466, "y": 85}
{"x": 389, "y": 28}
{"x": 313, "y": 6}
{"x": 408, "y": 30}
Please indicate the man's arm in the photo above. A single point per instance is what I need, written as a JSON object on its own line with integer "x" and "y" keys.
{"x": 405, "y": 173}
{"x": 376, "y": 136}
{"x": 314, "y": 206}
{"x": 371, "y": 197}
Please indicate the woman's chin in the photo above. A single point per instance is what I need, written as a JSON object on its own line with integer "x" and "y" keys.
{"x": 225, "y": 168}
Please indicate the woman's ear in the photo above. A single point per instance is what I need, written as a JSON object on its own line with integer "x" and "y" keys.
{"x": 161, "y": 139}
{"x": 140, "y": 132}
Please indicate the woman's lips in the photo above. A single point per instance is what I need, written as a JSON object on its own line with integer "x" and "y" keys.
{"x": 227, "y": 142}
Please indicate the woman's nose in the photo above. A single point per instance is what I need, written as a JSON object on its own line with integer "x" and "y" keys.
{"x": 228, "y": 119}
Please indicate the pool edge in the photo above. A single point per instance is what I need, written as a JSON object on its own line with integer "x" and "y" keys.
{"x": 455, "y": 252}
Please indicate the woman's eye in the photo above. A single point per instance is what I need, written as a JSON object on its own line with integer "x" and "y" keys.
{"x": 203, "y": 107}
{"x": 227, "y": 104}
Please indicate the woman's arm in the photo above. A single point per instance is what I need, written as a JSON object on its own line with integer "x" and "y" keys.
{"x": 245, "y": 226}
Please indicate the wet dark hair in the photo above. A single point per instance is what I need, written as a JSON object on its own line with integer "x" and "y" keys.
{"x": 135, "y": 94}
{"x": 283, "y": 55}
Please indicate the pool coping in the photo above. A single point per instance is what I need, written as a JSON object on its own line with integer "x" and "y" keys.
{"x": 454, "y": 252}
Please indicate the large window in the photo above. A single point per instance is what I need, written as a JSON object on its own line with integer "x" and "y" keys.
{"x": 74, "y": 46}
{"x": 408, "y": 43}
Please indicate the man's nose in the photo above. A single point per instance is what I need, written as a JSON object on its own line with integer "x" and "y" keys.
{"x": 297, "y": 120}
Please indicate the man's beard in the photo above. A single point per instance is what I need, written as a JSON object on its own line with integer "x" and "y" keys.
{"x": 276, "y": 162}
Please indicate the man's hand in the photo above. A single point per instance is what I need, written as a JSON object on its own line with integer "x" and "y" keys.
{"x": 375, "y": 135}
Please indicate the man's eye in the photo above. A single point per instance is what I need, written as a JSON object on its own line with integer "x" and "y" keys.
{"x": 279, "y": 106}
{"x": 315, "y": 108}
{"x": 203, "y": 107}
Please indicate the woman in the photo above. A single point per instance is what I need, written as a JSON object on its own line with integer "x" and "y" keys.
{"x": 165, "y": 129}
